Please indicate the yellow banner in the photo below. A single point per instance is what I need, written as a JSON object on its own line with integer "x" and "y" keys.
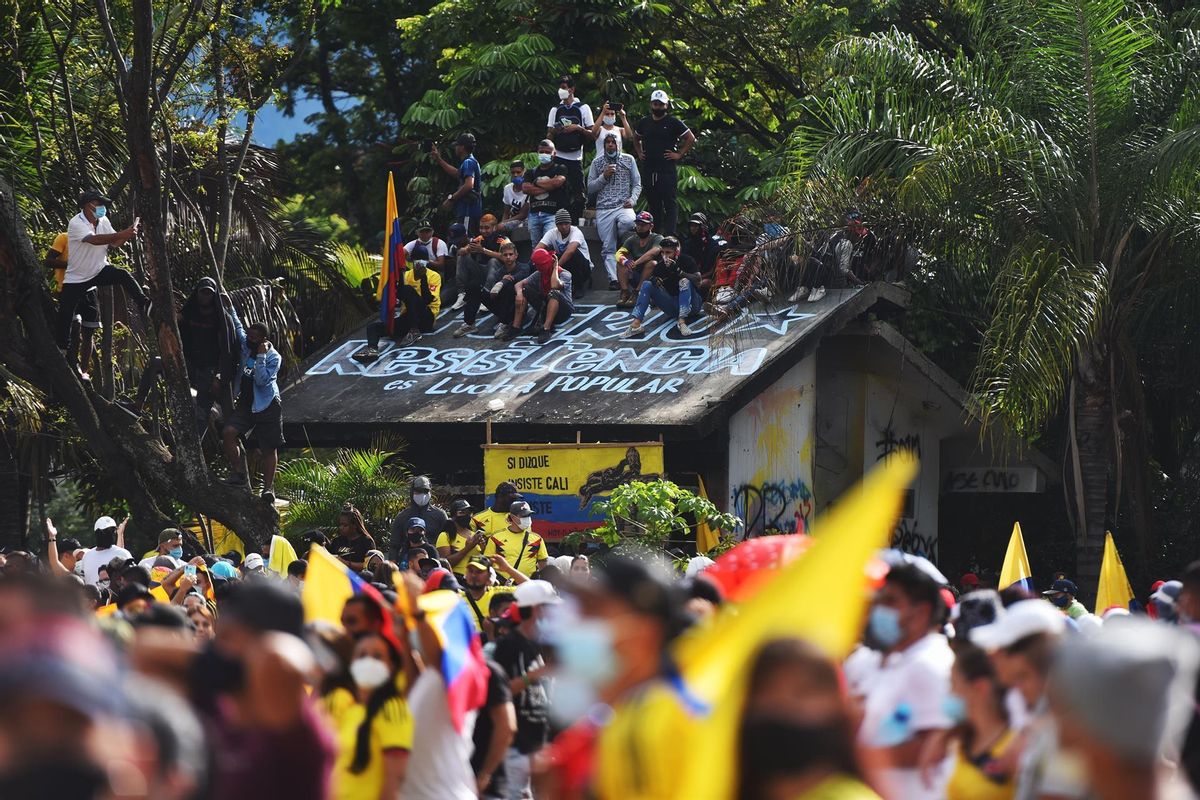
{"x": 563, "y": 481}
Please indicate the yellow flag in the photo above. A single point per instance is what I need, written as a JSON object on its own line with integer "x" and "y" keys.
{"x": 282, "y": 554}
{"x": 391, "y": 236}
{"x": 714, "y": 660}
{"x": 1114, "y": 589}
{"x": 1016, "y": 563}
{"x": 706, "y": 537}
{"x": 328, "y": 584}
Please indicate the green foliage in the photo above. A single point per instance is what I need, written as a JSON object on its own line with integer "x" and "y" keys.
{"x": 653, "y": 512}
{"x": 374, "y": 481}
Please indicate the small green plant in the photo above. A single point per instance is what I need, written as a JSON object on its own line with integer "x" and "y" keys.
{"x": 653, "y": 512}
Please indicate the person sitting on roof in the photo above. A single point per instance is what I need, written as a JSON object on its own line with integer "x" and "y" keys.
{"x": 672, "y": 287}
{"x": 419, "y": 302}
{"x": 547, "y": 292}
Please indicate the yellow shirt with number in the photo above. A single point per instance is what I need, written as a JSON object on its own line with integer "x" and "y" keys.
{"x": 510, "y": 548}
{"x": 391, "y": 729}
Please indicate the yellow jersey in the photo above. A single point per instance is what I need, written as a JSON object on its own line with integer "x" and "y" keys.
{"x": 968, "y": 781}
{"x": 460, "y": 541}
{"x": 508, "y": 544}
{"x": 391, "y": 729}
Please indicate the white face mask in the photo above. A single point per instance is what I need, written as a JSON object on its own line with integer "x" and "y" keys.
{"x": 369, "y": 672}
{"x": 544, "y": 158}
{"x": 610, "y": 121}
{"x": 563, "y": 94}
{"x": 524, "y": 523}
{"x": 421, "y": 499}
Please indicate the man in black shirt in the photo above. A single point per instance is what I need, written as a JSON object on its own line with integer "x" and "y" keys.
{"x": 547, "y": 190}
{"x": 494, "y": 730}
{"x": 658, "y": 136}
{"x": 671, "y": 287}
{"x": 209, "y": 349}
{"x": 521, "y": 657}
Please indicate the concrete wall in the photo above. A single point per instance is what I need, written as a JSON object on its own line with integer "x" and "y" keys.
{"x": 771, "y": 453}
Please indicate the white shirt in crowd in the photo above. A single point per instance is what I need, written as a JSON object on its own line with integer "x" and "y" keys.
{"x": 148, "y": 562}
{"x": 439, "y": 764}
{"x": 514, "y": 200}
{"x": 84, "y": 261}
{"x": 554, "y": 240}
{"x": 585, "y": 112}
{"x": 605, "y": 132}
{"x": 435, "y": 251}
{"x": 908, "y": 692}
{"x": 94, "y": 559}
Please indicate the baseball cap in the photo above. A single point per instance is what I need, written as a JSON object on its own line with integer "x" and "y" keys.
{"x": 459, "y": 505}
{"x": 645, "y": 585}
{"x": 969, "y": 579}
{"x": 507, "y": 487}
{"x": 223, "y": 570}
{"x": 696, "y": 565}
{"x": 424, "y": 225}
{"x": 542, "y": 258}
{"x": 644, "y": 216}
{"x": 458, "y": 229}
{"x": 131, "y": 592}
{"x": 167, "y": 534}
{"x": 520, "y": 508}
{"x": 1061, "y": 585}
{"x": 562, "y": 215}
{"x": 660, "y": 96}
{"x": 416, "y": 522}
{"x": 253, "y": 561}
{"x": 482, "y": 562}
{"x": 422, "y": 481}
{"x": 440, "y": 578}
{"x": 104, "y": 523}
{"x": 669, "y": 241}
{"x": 698, "y": 218}
{"x": 1019, "y": 621}
{"x": 535, "y": 593}
{"x": 89, "y": 195}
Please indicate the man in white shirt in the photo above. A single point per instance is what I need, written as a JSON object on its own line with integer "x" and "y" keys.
{"x": 606, "y": 123}
{"x": 108, "y": 533}
{"x": 903, "y": 704}
{"x": 516, "y": 202}
{"x": 569, "y": 126}
{"x": 568, "y": 243}
{"x": 170, "y": 545}
{"x": 427, "y": 247}
{"x": 89, "y": 235}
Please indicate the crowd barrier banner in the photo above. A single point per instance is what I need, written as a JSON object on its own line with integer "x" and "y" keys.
{"x": 562, "y": 482}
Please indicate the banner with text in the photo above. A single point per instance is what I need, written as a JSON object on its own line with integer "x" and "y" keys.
{"x": 562, "y": 481}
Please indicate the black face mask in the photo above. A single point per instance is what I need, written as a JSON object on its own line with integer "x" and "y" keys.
{"x": 775, "y": 747}
{"x": 416, "y": 538}
{"x": 463, "y": 522}
{"x": 659, "y": 113}
{"x": 105, "y": 538}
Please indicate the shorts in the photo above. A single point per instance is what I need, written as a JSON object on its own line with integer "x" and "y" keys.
{"x": 265, "y": 427}
{"x": 88, "y": 310}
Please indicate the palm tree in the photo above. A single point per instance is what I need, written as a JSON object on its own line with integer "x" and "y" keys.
{"x": 1054, "y": 167}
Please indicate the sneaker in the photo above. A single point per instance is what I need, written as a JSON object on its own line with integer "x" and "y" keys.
{"x": 614, "y": 286}
{"x": 509, "y": 334}
{"x": 764, "y": 293}
{"x": 411, "y": 338}
{"x": 268, "y": 496}
{"x": 544, "y": 336}
{"x": 817, "y": 294}
{"x": 798, "y": 295}
{"x": 684, "y": 330}
{"x": 459, "y": 302}
{"x": 635, "y": 330}
{"x": 366, "y": 355}
{"x": 463, "y": 330}
{"x": 499, "y": 331}
{"x": 236, "y": 479}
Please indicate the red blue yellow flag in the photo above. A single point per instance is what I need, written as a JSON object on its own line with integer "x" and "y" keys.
{"x": 394, "y": 262}
{"x": 463, "y": 668}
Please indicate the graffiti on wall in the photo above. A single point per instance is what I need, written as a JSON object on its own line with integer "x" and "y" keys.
{"x": 773, "y": 506}
{"x": 908, "y": 537}
{"x": 889, "y": 442}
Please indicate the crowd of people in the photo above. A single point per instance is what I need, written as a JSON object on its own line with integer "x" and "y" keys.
{"x": 188, "y": 674}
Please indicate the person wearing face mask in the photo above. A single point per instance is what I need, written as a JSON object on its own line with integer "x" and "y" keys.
{"x": 519, "y": 654}
{"x": 373, "y": 726}
{"x": 569, "y": 125}
{"x": 547, "y": 190}
{"x": 797, "y": 739}
{"x": 635, "y": 258}
{"x": 170, "y": 545}
{"x": 516, "y": 202}
{"x": 89, "y": 236}
{"x": 612, "y": 121}
{"x": 520, "y": 546}
{"x": 616, "y": 182}
{"x": 976, "y": 706}
{"x": 662, "y": 141}
{"x": 1062, "y": 595}
{"x": 459, "y": 539}
{"x": 547, "y": 293}
{"x": 905, "y": 703}
{"x": 498, "y": 294}
{"x": 422, "y": 505}
{"x": 673, "y": 287}
{"x": 108, "y": 538}
{"x": 258, "y": 410}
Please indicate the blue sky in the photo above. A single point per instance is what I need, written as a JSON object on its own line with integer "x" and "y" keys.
{"x": 271, "y": 125}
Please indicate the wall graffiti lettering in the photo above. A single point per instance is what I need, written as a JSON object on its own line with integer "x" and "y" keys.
{"x": 1016, "y": 479}
{"x": 908, "y": 537}
{"x": 773, "y": 506}
{"x": 889, "y": 443}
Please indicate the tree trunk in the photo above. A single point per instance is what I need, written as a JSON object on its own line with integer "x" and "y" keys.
{"x": 1093, "y": 437}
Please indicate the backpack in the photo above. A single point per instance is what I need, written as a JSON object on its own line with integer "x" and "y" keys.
{"x": 433, "y": 243}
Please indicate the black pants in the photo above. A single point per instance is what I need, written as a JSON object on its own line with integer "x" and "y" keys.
{"x": 73, "y": 293}
{"x": 502, "y": 304}
{"x": 416, "y": 316}
{"x": 581, "y": 271}
{"x": 575, "y": 187}
{"x": 659, "y": 184}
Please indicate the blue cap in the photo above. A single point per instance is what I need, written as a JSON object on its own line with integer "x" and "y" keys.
{"x": 416, "y": 522}
{"x": 224, "y": 570}
{"x": 458, "y": 229}
{"x": 1062, "y": 585}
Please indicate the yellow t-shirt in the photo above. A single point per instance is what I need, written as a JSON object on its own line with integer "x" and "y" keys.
{"x": 482, "y": 603}
{"x": 60, "y": 247}
{"x": 969, "y": 782}
{"x": 644, "y": 749}
{"x": 391, "y": 729}
{"x": 460, "y": 541}
{"x": 492, "y": 521}
{"x": 435, "y": 287}
{"x": 510, "y": 548}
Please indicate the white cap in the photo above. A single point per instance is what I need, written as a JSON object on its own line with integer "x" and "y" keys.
{"x": 660, "y": 96}
{"x": 1017, "y": 622}
{"x": 696, "y": 565}
{"x": 253, "y": 561}
{"x": 562, "y": 562}
{"x": 535, "y": 593}
{"x": 104, "y": 523}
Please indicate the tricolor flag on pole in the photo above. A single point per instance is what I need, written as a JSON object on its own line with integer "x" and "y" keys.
{"x": 463, "y": 668}
{"x": 1016, "y": 563}
{"x": 394, "y": 263}
{"x": 1114, "y": 589}
{"x": 329, "y": 583}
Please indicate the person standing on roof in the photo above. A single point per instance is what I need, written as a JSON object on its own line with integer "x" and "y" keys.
{"x": 465, "y": 202}
{"x": 617, "y": 184}
{"x": 422, "y": 506}
{"x": 662, "y": 142}
{"x": 569, "y": 126}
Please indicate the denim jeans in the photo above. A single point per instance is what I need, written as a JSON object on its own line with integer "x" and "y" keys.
{"x": 613, "y": 225}
{"x": 687, "y": 303}
{"x": 539, "y": 223}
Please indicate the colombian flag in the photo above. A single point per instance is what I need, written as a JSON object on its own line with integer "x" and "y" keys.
{"x": 1016, "y": 569}
{"x": 328, "y": 584}
{"x": 1114, "y": 588}
{"x": 392, "y": 272}
{"x": 463, "y": 668}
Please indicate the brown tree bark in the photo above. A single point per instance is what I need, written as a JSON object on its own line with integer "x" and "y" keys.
{"x": 1093, "y": 436}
